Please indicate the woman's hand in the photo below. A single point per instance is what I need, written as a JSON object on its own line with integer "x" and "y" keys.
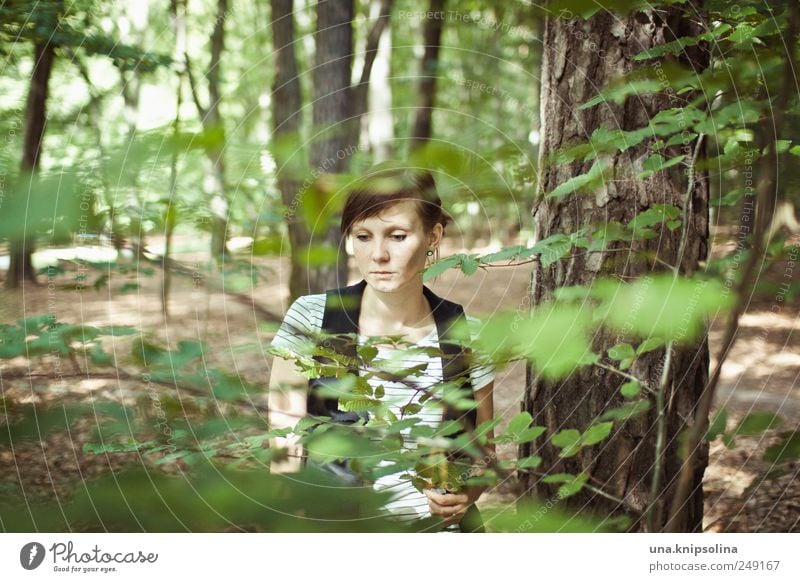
{"x": 452, "y": 506}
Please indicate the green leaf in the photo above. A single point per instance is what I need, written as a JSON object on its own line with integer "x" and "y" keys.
{"x": 786, "y": 450}
{"x": 656, "y": 163}
{"x": 621, "y": 352}
{"x": 367, "y": 353}
{"x": 662, "y": 306}
{"x": 596, "y": 433}
{"x": 100, "y": 282}
{"x": 568, "y": 440}
{"x": 441, "y": 266}
{"x": 506, "y": 254}
{"x": 410, "y": 409}
{"x": 630, "y": 390}
{"x": 627, "y": 411}
{"x": 12, "y": 341}
{"x": 339, "y": 443}
{"x": 519, "y": 423}
{"x": 589, "y": 181}
{"x": 530, "y": 434}
{"x": 98, "y": 356}
{"x": 756, "y": 423}
{"x": 718, "y": 424}
{"x": 619, "y": 91}
{"x": 117, "y": 330}
{"x": 401, "y": 425}
{"x": 649, "y": 345}
{"x": 469, "y": 265}
{"x": 129, "y": 287}
{"x": 554, "y": 337}
{"x": 572, "y": 487}
{"x": 483, "y": 428}
{"x": 656, "y": 215}
{"x": 529, "y": 462}
{"x": 558, "y": 478}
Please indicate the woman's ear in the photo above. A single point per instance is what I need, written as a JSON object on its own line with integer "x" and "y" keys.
{"x": 435, "y": 237}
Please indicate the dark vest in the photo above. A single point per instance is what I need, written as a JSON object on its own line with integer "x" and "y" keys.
{"x": 342, "y": 311}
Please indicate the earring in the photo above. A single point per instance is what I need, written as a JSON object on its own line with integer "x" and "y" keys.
{"x": 430, "y": 252}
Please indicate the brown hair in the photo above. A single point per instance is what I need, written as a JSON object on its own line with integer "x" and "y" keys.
{"x": 389, "y": 183}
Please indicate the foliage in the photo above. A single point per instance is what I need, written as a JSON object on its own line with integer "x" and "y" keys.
{"x": 97, "y": 158}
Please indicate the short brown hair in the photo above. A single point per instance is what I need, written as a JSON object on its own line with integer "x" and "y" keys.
{"x": 389, "y": 183}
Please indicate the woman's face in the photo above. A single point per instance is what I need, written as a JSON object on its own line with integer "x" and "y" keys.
{"x": 390, "y": 248}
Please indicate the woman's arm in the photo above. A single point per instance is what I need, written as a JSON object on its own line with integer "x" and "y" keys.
{"x": 287, "y": 405}
{"x": 453, "y": 506}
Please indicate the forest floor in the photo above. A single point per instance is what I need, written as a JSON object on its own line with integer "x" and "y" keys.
{"x": 743, "y": 493}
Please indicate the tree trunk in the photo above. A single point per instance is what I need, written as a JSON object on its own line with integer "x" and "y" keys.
{"x": 286, "y": 118}
{"x": 332, "y": 147}
{"x": 213, "y": 121}
{"x": 623, "y": 465}
{"x": 361, "y": 89}
{"x": 21, "y": 267}
{"x": 428, "y": 71}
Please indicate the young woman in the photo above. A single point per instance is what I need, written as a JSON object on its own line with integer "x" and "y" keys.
{"x": 396, "y": 223}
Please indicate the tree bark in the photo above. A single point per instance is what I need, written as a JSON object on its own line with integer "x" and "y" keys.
{"x": 332, "y": 146}
{"x": 286, "y": 119}
{"x": 212, "y": 124}
{"x": 21, "y": 267}
{"x": 428, "y": 71}
{"x": 571, "y": 75}
{"x": 213, "y": 121}
{"x": 361, "y": 89}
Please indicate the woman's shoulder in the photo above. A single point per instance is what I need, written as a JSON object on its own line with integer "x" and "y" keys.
{"x": 309, "y": 303}
{"x": 302, "y": 322}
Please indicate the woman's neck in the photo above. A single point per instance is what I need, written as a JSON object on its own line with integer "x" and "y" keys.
{"x": 406, "y": 308}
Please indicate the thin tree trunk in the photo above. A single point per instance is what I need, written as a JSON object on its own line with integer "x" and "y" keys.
{"x": 170, "y": 212}
{"x": 21, "y": 267}
{"x": 212, "y": 124}
{"x": 360, "y": 90}
{"x": 428, "y": 71}
{"x": 332, "y": 147}
{"x": 132, "y": 30}
{"x": 624, "y": 465}
{"x": 219, "y": 201}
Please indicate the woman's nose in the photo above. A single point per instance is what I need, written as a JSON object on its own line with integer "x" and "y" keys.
{"x": 380, "y": 251}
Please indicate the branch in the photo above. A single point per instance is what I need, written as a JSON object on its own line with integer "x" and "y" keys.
{"x": 202, "y": 111}
{"x": 653, "y": 516}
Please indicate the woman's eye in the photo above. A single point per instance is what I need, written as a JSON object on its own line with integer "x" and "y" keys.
{"x": 362, "y": 237}
{"x": 399, "y": 237}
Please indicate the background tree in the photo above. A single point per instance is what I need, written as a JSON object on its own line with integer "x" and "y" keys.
{"x": 215, "y": 129}
{"x": 428, "y": 72}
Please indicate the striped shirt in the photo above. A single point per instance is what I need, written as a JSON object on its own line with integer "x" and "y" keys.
{"x": 303, "y": 322}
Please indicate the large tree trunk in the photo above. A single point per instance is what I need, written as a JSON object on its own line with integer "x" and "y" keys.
{"x": 428, "y": 71}
{"x": 21, "y": 267}
{"x": 572, "y": 75}
{"x": 333, "y": 145}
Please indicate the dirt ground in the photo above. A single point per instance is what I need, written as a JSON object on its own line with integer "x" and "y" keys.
{"x": 760, "y": 374}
